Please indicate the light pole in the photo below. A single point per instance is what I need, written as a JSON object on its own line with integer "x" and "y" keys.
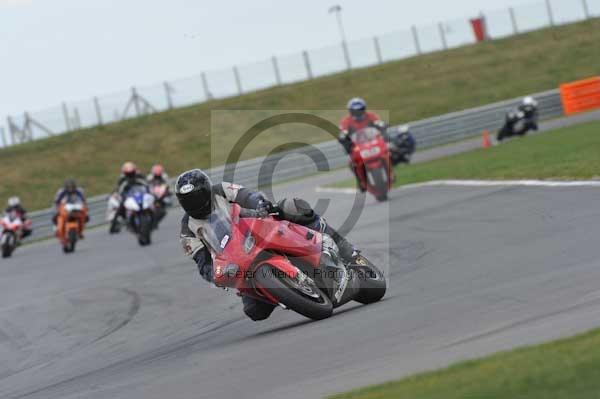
{"x": 337, "y": 10}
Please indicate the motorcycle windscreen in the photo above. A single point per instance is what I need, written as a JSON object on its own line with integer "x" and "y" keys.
{"x": 365, "y": 135}
{"x": 217, "y": 232}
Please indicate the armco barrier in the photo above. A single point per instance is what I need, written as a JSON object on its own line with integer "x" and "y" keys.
{"x": 260, "y": 172}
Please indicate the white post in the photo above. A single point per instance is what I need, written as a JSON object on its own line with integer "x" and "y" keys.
{"x": 276, "y": 71}
{"x": 238, "y": 80}
{"x": 98, "y": 111}
{"x": 306, "y": 57}
{"x": 377, "y": 50}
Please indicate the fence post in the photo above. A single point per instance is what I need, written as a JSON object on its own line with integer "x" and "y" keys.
{"x": 415, "y": 34}
{"x": 98, "y": 111}
{"x": 11, "y": 131}
{"x": 238, "y": 80}
{"x": 65, "y": 111}
{"x": 550, "y": 13}
{"x": 27, "y": 131}
{"x": 134, "y": 98}
{"x": 377, "y": 50}
{"x": 346, "y": 55}
{"x": 276, "y": 70}
{"x": 4, "y": 143}
{"x": 513, "y": 19}
{"x": 586, "y": 9}
{"x": 77, "y": 117}
{"x": 309, "y": 73}
{"x": 207, "y": 92}
{"x": 443, "y": 35}
{"x": 168, "y": 90}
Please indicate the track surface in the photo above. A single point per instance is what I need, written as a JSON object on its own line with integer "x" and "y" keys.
{"x": 472, "y": 271}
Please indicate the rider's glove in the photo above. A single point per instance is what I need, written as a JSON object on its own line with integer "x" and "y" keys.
{"x": 265, "y": 207}
{"x": 378, "y": 124}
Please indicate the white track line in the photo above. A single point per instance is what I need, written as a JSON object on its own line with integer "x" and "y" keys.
{"x": 320, "y": 189}
{"x": 479, "y": 183}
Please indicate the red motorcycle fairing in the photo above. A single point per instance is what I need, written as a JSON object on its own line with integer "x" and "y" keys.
{"x": 371, "y": 152}
{"x": 14, "y": 223}
{"x": 254, "y": 242}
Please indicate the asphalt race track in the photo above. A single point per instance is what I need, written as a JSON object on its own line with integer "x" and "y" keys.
{"x": 471, "y": 271}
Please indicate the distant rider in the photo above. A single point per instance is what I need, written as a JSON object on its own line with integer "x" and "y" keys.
{"x": 14, "y": 205}
{"x": 69, "y": 193}
{"x": 405, "y": 145}
{"x": 520, "y": 120}
{"x": 130, "y": 177}
{"x": 199, "y": 198}
{"x": 358, "y": 118}
{"x": 529, "y": 108}
{"x": 158, "y": 177}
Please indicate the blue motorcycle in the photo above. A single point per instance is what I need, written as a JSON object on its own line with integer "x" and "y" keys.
{"x": 139, "y": 211}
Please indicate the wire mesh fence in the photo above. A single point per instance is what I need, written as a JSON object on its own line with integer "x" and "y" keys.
{"x": 291, "y": 68}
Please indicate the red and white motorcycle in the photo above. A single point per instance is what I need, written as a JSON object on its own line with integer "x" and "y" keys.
{"x": 12, "y": 232}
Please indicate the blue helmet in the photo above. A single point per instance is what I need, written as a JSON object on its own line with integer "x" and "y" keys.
{"x": 357, "y": 108}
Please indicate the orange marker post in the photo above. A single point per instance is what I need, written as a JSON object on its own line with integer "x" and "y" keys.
{"x": 486, "y": 141}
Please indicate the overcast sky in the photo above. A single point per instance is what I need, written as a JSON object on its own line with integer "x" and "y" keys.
{"x": 55, "y": 50}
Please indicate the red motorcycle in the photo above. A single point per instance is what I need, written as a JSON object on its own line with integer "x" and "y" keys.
{"x": 371, "y": 159}
{"x": 12, "y": 231}
{"x": 286, "y": 264}
{"x": 162, "y": 200}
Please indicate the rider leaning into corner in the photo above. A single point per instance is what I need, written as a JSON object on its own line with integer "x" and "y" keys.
{"x": 14, "y": 205}
{"x": 358, "y": 118}
{"x": 199, "y": 198}
{"x": 529, "y": 108}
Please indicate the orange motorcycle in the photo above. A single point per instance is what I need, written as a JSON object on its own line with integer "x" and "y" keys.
{"x": 70, "y": 224}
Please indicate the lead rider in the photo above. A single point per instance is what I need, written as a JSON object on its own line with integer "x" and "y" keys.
{"x": 199, "y": 198}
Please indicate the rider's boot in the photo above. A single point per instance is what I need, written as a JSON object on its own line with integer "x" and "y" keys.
{"x": 80, "y": 231}
{"x": 348, "y": 253}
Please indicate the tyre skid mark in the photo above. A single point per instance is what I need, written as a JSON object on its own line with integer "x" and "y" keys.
{"x": 81, "y": 381}
{"x": 134, "y": 308}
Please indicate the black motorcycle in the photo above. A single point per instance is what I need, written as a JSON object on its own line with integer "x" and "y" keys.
{"x": 518, "y": 123}
{"x": 402, "y": 147}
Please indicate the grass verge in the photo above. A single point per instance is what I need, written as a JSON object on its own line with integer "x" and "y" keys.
{"x": 566, "y": 154}
{"x": 564, "y": 369}
{"x": 410, "y": 89}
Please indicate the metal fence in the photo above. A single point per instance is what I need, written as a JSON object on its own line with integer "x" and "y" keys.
{"x": 261, "y": 172}
{"x": 286, "y": 69}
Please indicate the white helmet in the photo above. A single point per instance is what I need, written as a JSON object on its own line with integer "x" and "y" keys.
{"x": 529, "y": 101}
{"x": 404, "y": 129}
{"x": 14, "y": 201}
